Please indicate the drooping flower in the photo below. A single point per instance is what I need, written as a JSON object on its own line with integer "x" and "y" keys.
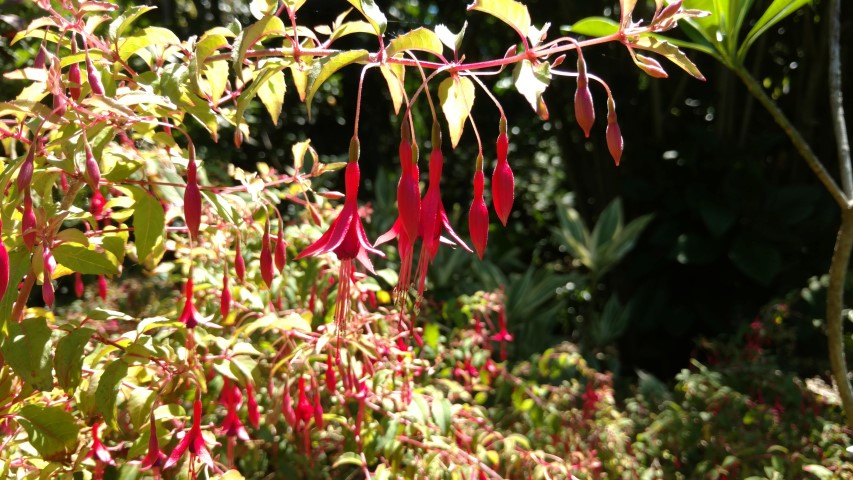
{"x": 408, "y": 190}
{"x": 433, "y": 217}
{"x": 78, "y": 285}
{"x": 92, "y": 75}
{"x": 155, "y": 458}
{"x": 4, "y": 265}
{"x": 192, "y": 198}
{"x": 93, "y": 170}
{"x": 584, "y": 110}
{"x": 613, "y": 133}
{"x": 287, "y": 408}
{"x": 193, "y": 441}
{"x": 331, "y": 381}
{"x": 99, "y": 450}
{"x": 25, "y": 174}
{"x": 232, "y": 398}
{"x": 102, "y": 287}
{"x": 503, "y": 336}
{"x": 252, "y": 406}
{"x": 189, "y": 315}
{"x": 28, "y": 222}
{"x": 280, "y": 250}
{"x": 346, "y": 238}
{"x": 478, "y": 216}
{"x": 75, "y": 80}
{"x": 239, "y": 262}
{"x": 304, "y": 410}
{"x": 47, "y": 292}
{"x": 96, "y": 203}
{"x": 267, "y": 272}
{"x": 225, "y": 297}
{"x": 318, "y": 410}
{"x": 503, "y": 182}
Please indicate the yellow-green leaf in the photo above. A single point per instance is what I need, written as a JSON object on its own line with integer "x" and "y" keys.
{"x": 394, "y": 75}
{"x": 325, "y": 68}
{"x": 149, "y": 223}
{"x": 422, "y": 39}
{"x": 531, "y": 81}
{"x": 27, "y": 350}
{"x": 107, "y": 392}
{"x": 595, "y": 27}
{"x": 145, "y": 38}
{"x": 671, "y": 52}
{"x": 125, "y": 20}
{"x": 457, "y": 98}
{"x": 68, "y": 362}
{"x": 51, "y": 430}
{"x": 253, "y": 34}
{"x": 85, "y": 260}
{"x": 372, "y": 13}
{"x": 271, "y": 94}
{"x": 512, "y": 13}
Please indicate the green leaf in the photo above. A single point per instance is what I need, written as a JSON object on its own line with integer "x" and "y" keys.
{"x": 139, "y": 404}
{"x": 512, "y": 13}
{"x": 451, "y": 40}
{"x": 671, "y": 52}
{"x": 609, "y": 223}
{"x": 107, "y": 393}
{"x": 394, "y": 76}
{"x": 51, "y": 430}
{"x": 271, "y": 93}
{"x": 69, "y": 358}
{"x": 573, "y": 235}
{"x": 84, "y": 260}
{"x": 325, "y": 68}
{"x": 775, "y": 13}
{"x": 431, "y": 335}
{"x": 422, "y": 39}
{"x": 348, "y": 458}
{"x": 28, "y": 351}
{"x": 595, "y": 27}
{"x": 149, "y": 223}
{"x": 441, "y": 411}
{"x": 19, "y": 264}
{"x": 145, "y": 38}
{"x": 252, "y": 35}
{"x": 260, "y": 8}
{"x": 818, "y": 471}
{"x": 261, "y": 78}
{"x": 531, "y": 81}
{"x": 125, "y": 20}
{"x": 457, "y": 98}
{"x": 372, "y": 13}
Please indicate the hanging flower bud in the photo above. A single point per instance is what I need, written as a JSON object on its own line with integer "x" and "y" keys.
{"x": 25, "y": 174}
{"x": 99, "y": 450}
{"x": 47, "y": 292}
{"x": 478, "y": 215}
{"x": 225, "y": 297}
{"x": 287, "y": 408}
{"x": 60, "y": 105}
{"x": 28, "y": 222}
{"x": 304, "y": 410}
{"x": 239, "y": 263}
{"x": 252, "y": 406}
{"x": 155, "y": 458}
{"x": 584, "y": 111}
{"x": 192, "y": 198}
{"x": 189, "y": 315}
{"x": 267, "y": 271}
{"x": 75, "y": 80}
{"x": 503, "y": 182}
{"x": 78, "y": 285}
{"x": 93, "y": 170}
{"x": 652, "y": 67}
{"x": 92, "y": 75}
{"x": 408, "y": 191}
{"x": 41, "y": 58}
{"x": 96, "y": 204}
{"x": 614, "y": 133}
{"x": 318, "y": 410}
{"x": 280, "y": 250}
{"x": 102, "y": 287}
{"x": 4, "y": 266}
{"x": 331, "y": 381}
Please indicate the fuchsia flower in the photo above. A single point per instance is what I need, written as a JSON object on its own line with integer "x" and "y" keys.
{"x": 4, "y": 266}
{"x": 225, "y": 297}
{"x": 433, "y": 218}
{"x": 29, "y": 227}
{"x": 232, "y": 398}
{"x": 280, "y": 250}
{"x": 613, "y": 132}
{"x": 155, "y": 458}
{"x": 189, "y": 315}
{"x": 252, "y": 406}
{"x": 267, "y": 271}
{"x": 192, "y": 441}
{"x": 47, "y": 292}
{"x": 584, "y": 110}
{"x": 346, "y": 238}
{"x": 503, "y": 182}
{"x": 102, "y": 287}
{"x": 99, "y": 450}
{"x": 239, "y": 262}
{"x": 503, "y": 336}
{"x": 192, "y": 198}
{"x": 304, "y": 409}
{"x": 478, "y": 216}
{"x": 96, "y": 204}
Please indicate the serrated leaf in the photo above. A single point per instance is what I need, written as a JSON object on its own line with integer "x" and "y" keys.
{"x": 50, "y": 430}
{"x": 531, "y": 81}
{"x": 68, "y": 362}
{"x": 372, "y": 13}
{"x": 671, "y": 52}
{"x": 106, "y": 395}
{"x": 149, "y": 223}
{"x": 84, "y": 260}
{"x": 126, "y": 19}
{"x": 27, "y": 350}
{"x": 595, "y": 27}
{"x": 775, "y": 13}
{"x": 252, "y": 35}
{"x": 261, "y": 78}
{"x": 271, "y": 94}
{"x": 512, "y": 13}
{"x": 147, "y": 37}
{"x": 457, "y": 97}
{"x": 325, "y": 68}
{"x": 349, "y": 28}
{"x": 422, "y": 39}
{"x": 451, "y": 40}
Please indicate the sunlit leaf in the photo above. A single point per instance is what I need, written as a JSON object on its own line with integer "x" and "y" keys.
{"x": 451, "y": 40}
{"x": 457, "y": 98}
{"x": 86, "y": 260}
{"x": 51, "y": 430}
{"x": 422, "y": 39}
{"x": 325, "y": 68}
{"x": 126, "y": 19}
{"x": 27, "y": 349}
{"x": 775, "y": 13}
{"x": 595, "y": 27}
{"x": 149, "y": 223}
{"x": 68, "y": 362}
{"x": 271, "y": 94}
{"x": 108, "y": 389}
{"x": 372, "y": 13}
{"x": 147, "y": 37}
{"x": 531, "y": 81}
{"x": 512, "y": 13}
{"x": 251, "y": 35}
{"x": 394, "y": 76}
{"x": 671, "y": 52}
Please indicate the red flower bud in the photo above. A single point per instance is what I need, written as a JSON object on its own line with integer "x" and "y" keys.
{"x": 503, "y": 182}
{"x": 318, "y": 410}
{"x": 651, "y": 66}
{"x": 96, "y": 203}
{"x": 478, "y": 216}
{"x": 78, "y": 285}
{"x": 75, "y": 80}
{"x": 252, "y": 406}
{"x": 280, "y": 251}
{"x": 4, "y": 266}
{"x": 331, "y": 381}
{"x": 60, "y": 105}
{"x": 267, "y": 271}
{"x": 28, "y": 222}
{"x": 102, "y": 287}
{"x": 614, "y": 133}
{"x": 192, "y": 200}
{"x": 239, "y": 263}
{"x": 47, "y": 292}
{"x": 225, "y": 297}
{"x": 40, "y": 59}
{"x": 584, "y": 111}
{"x": 304, "y": 410}
{"x": 25, "y": 174}
{"x": 93, "y": 170}
{"x": 287, "y": 408}
{"x": 92, "y": 75}
{"x": 189, "y": 315}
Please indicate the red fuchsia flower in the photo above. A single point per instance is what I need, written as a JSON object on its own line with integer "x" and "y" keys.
{"x": 478, "y": 215}
{"x": 331, "y": 381}
{"x": 287, "y": 408}
{"x": 41, "y": 58}
{"x": 28, "y": 222}
{"x": 267, "y": 272}
{"x": 93, "y": 170}
{"x": 189, "y": 315}
{"x": 47, "y": 292}
{"x": 346, "y": 238}
{"x": 584, "y": 110}
{"x": 503, "y": 336}
{"x": 4, "y": 266}
{"x": 433, "y": 217}
{"x": 591, "y": 398}
{"x": 280, "y": 250}
{"x": 613, "y": 133}
{"x": 25, "y": 174}
{"x": 232, "y": 399}
{"x": 406, "y": 208}
{"x": 99, "y": 450}
{"x": 503, "y": 182}
{"x": 252, "y": 406}
{"x": 102, "y": 287}
{"x": 75, "y": 79}
{"x": 78, "y": 285}
{"x": 192, "y": 198}
{"x": 361, "y": 396}
{"x": 192, "y": 441}
{"x": 155, "y": 458}
{"x": 304, "y": 410}
{"x": 96, "y": 204}
{"x": 318, "y": 410}
{"x": 225, "y": 297}
{"x": 239, "y": 262}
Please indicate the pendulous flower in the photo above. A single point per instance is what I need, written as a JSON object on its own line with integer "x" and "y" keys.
{"x": 503, "y": 182}
{"x": 192, "y": 441}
